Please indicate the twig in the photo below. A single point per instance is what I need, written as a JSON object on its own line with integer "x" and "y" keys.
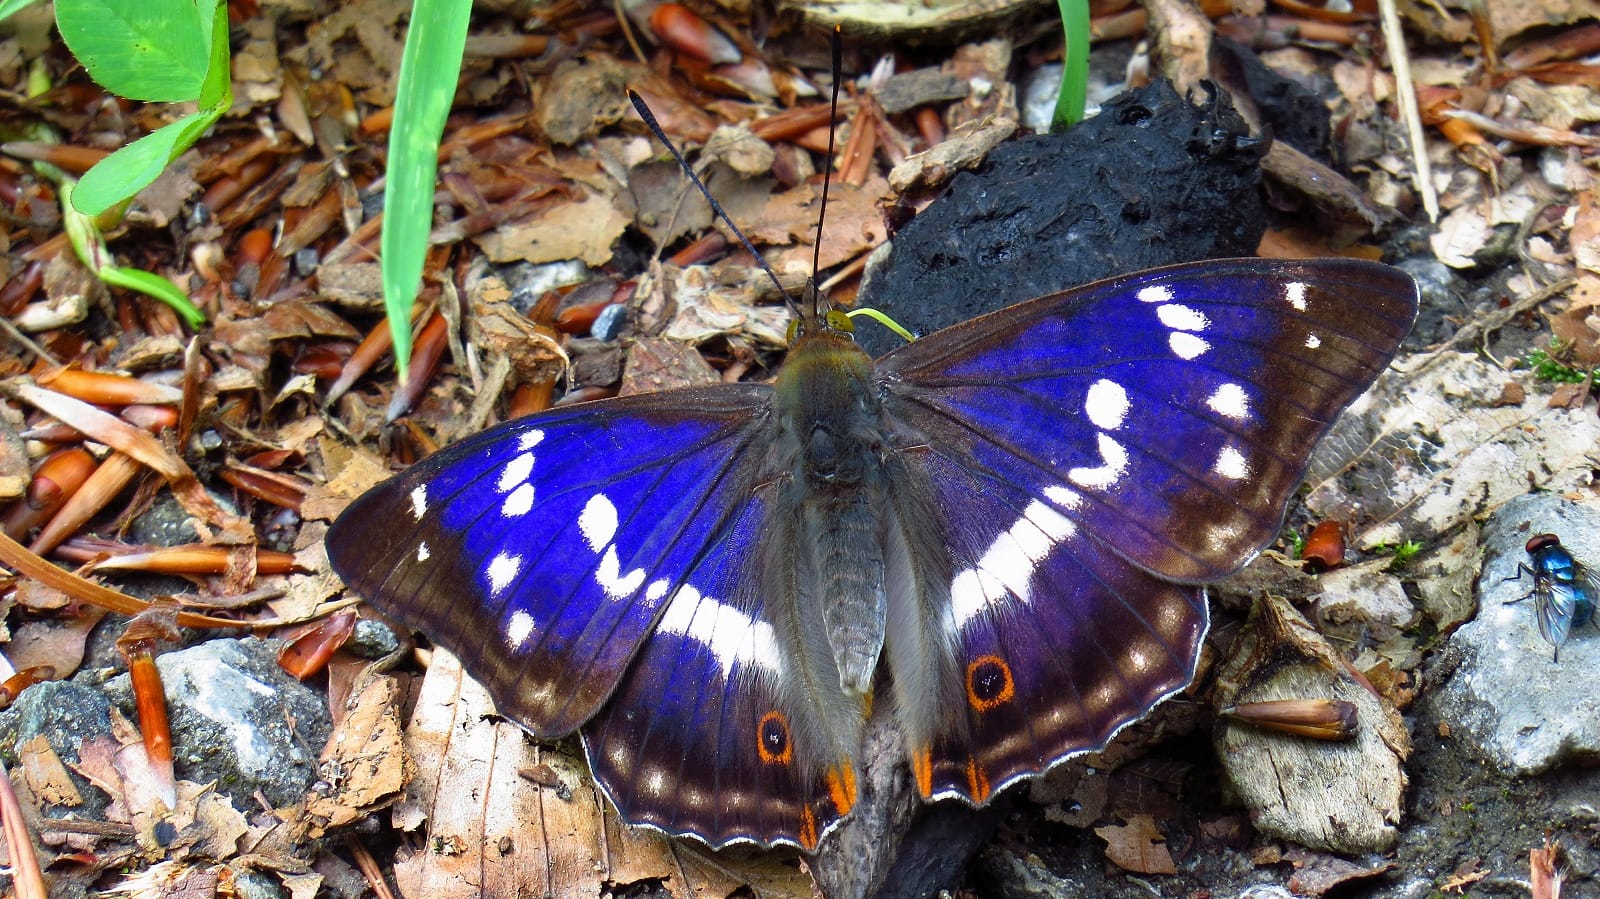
{"x": 26, "y": 877}
{"x": 1395, "y": 42}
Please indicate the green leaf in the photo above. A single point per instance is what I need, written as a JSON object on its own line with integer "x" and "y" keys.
{"x": 154, "y": 285}
{"x": 9, "y": 7}
{"x": 132, "y": 168}
{"x": 90, "y": 246}
{"x": 154, "y": 50}
{"x": 429, "y": 68}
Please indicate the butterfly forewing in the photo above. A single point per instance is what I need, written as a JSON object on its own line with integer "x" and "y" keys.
{"x": 542, "y": 552}
{"x": 1175, "y": 408}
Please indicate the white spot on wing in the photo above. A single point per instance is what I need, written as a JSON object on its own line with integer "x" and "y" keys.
{"x": 423, "y": 552}
{"x": 1049, "y": 523}
{"x": 1230, "y": 401}
{"x": 655, "y": 782}
{"x": 1107, "y": 404}
{"x": 530, "y": 439}
{"x": 518, "y": 629}
{"x": 1064, "y": 497}
{"x": 971, "y": 592}
{"x": 1007, "y": 567}
{"x": 516, "y": 472}
{"x": 1295, "y": 293}
{"x": 1223, "y": 537}
{"x": 726, "y": 632}
{"x": 502, "y": 571}
{"x": 657, "y": 589}
{"x": 519, "y": 502}
{"x": 1182, "y": 318}
{"x": 598, "y": 521}
{"x": 1156, "y": 293}
{"x": 1313, "y": 342}
{"x": 611, "y": 579}
{"x": 419, "y": 501}
{"x": 1113, "y": 466}
{"x": 1232, "y": 464}
{"x": 1187, "y": 346}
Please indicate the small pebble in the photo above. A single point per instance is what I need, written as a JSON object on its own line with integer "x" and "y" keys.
{"x": 372, "y": 639}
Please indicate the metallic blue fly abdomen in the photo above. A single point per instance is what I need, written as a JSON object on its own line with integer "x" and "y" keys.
{"x": 1564, "y": 595}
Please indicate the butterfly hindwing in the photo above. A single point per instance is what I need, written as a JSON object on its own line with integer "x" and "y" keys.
{"x": 1178, "y": 406}
{"x": 542, "y": 551}
{"x": 1061, "y": 642}
{"x": 697, "y": 739}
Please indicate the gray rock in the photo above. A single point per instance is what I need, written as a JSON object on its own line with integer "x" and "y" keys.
{"x": 1525, "y": 711}
{"x": 230, "y": 707}
{"x": 250, "y": 884}
{"x": 66, "y": 714}
{"x": 372, "y": 639}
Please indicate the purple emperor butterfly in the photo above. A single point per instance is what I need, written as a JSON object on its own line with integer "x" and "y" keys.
{"x": 996, "y": 534}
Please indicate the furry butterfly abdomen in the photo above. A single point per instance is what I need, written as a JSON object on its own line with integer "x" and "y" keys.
{"x": 995, "y": 534}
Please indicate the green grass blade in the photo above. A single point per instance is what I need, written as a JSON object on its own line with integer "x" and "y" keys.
{"x": 429, "y": 68}
{"x": 1071, "y": 100}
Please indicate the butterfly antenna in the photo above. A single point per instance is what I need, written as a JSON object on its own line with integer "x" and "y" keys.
{"x": 827, "y": 163}
{"x": 655, "y": 128}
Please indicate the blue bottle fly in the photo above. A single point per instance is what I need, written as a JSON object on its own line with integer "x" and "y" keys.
{"x": 1564, "y": 596}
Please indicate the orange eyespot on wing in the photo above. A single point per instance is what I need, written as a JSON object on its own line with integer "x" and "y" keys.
{"x": 989, "y": 683}
{"x": 772, "y": 739}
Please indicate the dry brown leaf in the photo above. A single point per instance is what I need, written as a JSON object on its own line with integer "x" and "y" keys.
{"x": 1462, "y": 233}
{"x": 355, "y": 470}
{"x": 491, "y": 831}
{"x": 47, "y": 776}
{"x": 57, "y": 642}
{"x": 582, "y": 229}
{"x": 364, "y": 758}
{"x": 302, "y": 886}
{"x": 1137, "y": 846}
{"x": 1317, "y": 874}
{"x": 1569, "y": 396}
{"x": 1545, "y": 878}
{"x": 658, "y": 364}
{"x": 1466, "y": 874}
{"x": 789, "y": 221}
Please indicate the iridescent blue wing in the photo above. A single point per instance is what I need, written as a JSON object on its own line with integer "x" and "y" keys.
{"x": 541, "y": 552}
{"x": 1061, "y": 641}
{"x": 1096, "y": 450}
{"x": 696, "y": 739}
{"x": 594, "y": 564}
{"x": 1180, "y": 404}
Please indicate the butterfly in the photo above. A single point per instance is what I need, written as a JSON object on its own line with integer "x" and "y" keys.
{"x": 1564, "y": 595}
{"x": 996, "y": 534}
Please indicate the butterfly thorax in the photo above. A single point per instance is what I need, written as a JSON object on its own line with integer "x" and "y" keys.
{"x": 831, "y": 448}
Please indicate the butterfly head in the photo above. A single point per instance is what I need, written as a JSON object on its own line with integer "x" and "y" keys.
{"x": 814, "y": 314}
